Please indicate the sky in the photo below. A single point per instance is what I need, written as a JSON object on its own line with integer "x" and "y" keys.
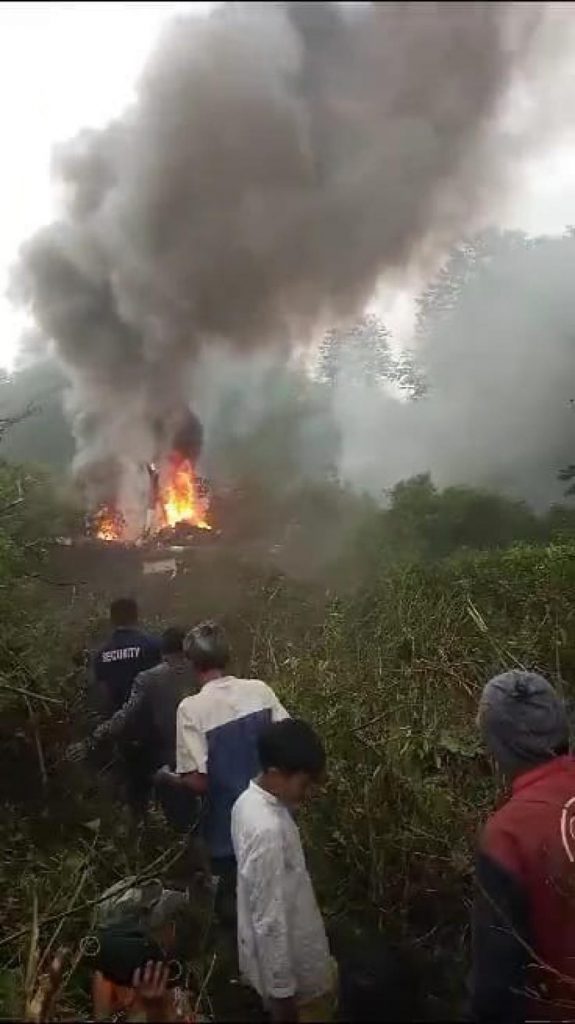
{"x": 66, "y": 66}
{"x": 63, "y": 67}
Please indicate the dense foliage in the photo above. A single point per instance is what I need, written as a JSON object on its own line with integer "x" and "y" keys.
{"x": 389, "y": 670}
{"x": 391, "y": 675}
{"x": 423, "y": 522}
{"x": 377, "y": 620}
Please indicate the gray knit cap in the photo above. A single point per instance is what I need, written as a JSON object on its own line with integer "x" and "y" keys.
{"x": 523, "y": 720}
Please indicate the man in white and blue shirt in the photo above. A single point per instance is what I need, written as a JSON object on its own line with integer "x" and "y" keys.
{"x": 217, "y": 739}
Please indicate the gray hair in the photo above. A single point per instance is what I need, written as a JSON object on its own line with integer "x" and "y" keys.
{"x": 206, "y": 645}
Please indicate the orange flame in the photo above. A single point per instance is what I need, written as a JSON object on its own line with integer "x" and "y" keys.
{"x": 108, "y": 524}
{"x": 178, "y": 499}
{"x": 181, "y": 498}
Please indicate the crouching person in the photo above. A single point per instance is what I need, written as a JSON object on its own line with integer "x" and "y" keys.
{"x": 283, "y": 948}
{"x": 149, "y": 997}
{"x": 136, "y": 951}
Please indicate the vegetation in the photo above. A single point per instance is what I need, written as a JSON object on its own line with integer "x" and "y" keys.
{"x": 363, "y": 354}
{"x": 392, "y": 676}
{"x": 422, "y": 522}
{"x": 44, "y": 436}
{"x": 389, "y": 670}
{"x": 378, "y": 622}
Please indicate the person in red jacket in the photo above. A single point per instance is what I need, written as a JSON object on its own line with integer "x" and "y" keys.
{"x": 524, "y": 910}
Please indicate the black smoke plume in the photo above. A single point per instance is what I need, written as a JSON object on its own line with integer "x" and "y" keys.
{"x": 277, "y": 160}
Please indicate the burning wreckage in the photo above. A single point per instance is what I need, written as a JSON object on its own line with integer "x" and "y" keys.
{"x": 169, "y": 507}
{"x": 176, "y": 512}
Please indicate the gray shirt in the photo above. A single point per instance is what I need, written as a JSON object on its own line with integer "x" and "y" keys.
{"x": 149, "y": 714}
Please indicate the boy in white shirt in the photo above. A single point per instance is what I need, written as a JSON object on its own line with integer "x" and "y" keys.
{"x": 283, "y": 947}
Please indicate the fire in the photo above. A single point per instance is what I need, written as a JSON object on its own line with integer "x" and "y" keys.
{"x": 108, "y": 524}
{"x": 176, "y": 497}
{"x": 180, "y": 496}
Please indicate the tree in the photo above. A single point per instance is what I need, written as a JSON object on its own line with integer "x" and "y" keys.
{"x": 31, "y": 399}
{"x": 465, "y": 263}
{"x": 362, "y": 354}
{"x": 423, "y": 522}
{"x": 495, "y": 342}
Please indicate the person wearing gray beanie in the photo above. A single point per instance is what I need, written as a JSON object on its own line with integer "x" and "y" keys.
{"x": 523, "y": 721}
{"x": 523, "y": 921}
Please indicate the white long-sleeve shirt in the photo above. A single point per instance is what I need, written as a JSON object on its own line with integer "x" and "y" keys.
{"x": 283, "y": 948}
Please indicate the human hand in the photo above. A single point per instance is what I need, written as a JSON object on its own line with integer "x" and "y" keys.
{"x": 151, "y": 985}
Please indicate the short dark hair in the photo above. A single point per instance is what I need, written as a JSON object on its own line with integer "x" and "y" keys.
{"x": 172, "y": 641}
{"x": 292, "y": 746}
{"x": 207, "y": 647}
{"x": 124, "y": 611}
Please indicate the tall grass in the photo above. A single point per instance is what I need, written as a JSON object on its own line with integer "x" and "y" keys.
{"x": 391, "y": 676}
{"x": 389, "y": 672}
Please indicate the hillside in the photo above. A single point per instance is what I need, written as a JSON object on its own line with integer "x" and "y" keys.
{"x": 389, "y": 670}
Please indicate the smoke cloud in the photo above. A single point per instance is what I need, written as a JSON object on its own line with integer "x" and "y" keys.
{"x": 499, "y": 363}
{"x": 277, "y": 161}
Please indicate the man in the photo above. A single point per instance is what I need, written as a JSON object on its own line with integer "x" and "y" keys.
{"x": 141, "y": 934}
{"x": 216, "y": 745}
{"x": 127, "y": 652}
{"x": 149, "y": 718}
{"x": 524, "y": 919}
{"x": 283, "y": 948}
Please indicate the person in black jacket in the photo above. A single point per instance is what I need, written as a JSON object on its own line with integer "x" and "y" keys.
{"x": 148, "y": 718}
{"x": 127, "y": 652}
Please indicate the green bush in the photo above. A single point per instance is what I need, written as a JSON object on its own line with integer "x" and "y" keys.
{"x": 389, "y": 671}
{"x": 391, "y": 677}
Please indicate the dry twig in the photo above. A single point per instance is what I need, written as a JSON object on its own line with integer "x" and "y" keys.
{"x": 39, "y": 1003}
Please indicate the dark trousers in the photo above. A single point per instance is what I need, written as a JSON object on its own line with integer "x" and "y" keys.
{"x": 226, "y": 871}
{"x": 136, "y": 770}
{"x": 181, "y": 808}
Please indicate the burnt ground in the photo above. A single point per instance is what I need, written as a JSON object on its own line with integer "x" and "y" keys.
{"x": 211, "y": 577}
{"x": 219, "y": 580}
